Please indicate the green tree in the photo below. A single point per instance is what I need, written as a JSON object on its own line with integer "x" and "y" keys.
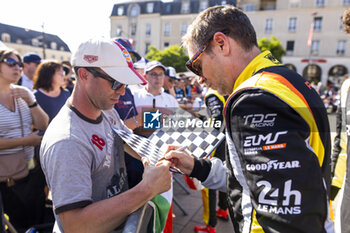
{"x": 174, "y": 56}
{"x": 273, "y": 45}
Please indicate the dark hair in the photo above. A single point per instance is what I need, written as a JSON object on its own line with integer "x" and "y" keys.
{"x": 6, "y": 53}
{"x": 44, "y": 75}
{"x": 219, "y": 19}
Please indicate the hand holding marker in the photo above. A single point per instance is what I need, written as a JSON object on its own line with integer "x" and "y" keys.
{"x": 182, "y": 148}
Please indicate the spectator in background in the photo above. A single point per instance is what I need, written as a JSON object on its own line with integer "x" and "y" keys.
{"x": 30, "y": 64}
{"x": 215, "y": 105}
{"x": 139, "y": 66}
{"x": 169, "y": 80}
{"x": 126, "y": 43}
{"x": 188, "y": 88}
{"x": 180, "y": 90}
{"x": 341, "y": 151}
{"x": 153, "y": 95}
{"x": 48, "y": 81}
{"x": 22, "y": 201}
{"x": 68, "y": 79}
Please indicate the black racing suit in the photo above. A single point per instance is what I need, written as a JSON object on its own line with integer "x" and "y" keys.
{"x": 277, "y": 171}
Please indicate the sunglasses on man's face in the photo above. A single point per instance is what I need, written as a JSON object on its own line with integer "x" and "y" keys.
{"x": 12, "y": 62}
{"x": 191, "y": 64}
{"x": 115, "y": 84}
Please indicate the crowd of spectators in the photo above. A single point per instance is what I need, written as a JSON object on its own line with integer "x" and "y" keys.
{"x": 329, "y": 95}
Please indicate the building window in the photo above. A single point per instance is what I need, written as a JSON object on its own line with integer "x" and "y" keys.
{"x": 62, "y": 48}
{"x": 167, "y": 28}
{"x": 119, "y": 31}
{"x": 267, "y": 5}
{"x": 53, "y": 56}
{"x": 268, "y": 26}
{"x": 341, "y": 45}
{"x": 5, "y": 37}
{"x": 320, "y": 3}
{"x": 290, "y": 47}
{"x": 53, "y": 45}
{"x": 150, "y": 7}
{"x": 133, "y": 29}
{"x": 346, "y": 2}
{"x": 168, "y": 8}
{"x": 147, "y": 48}
{"x": 223, "y": 2}
{"x": 203, "y": 5}
{"x": 294, "y": 3}
{"x": 249, "y": 7}
{"x": 120, "y": 10}
{"x": 341, "y": 26}
{"x": 292, "y": 26}
{"x": 185, "y": 7}
{"x": 166, "y": 45}
{"x": 315, "y": 47}
{"x": 317, "y": 24}
{"x": 35, "y": 42}
{"x": 184, "y": 28}
{"x": 148, "y": 30}
{"x": 134, "y": 11}
{"x": 19, "y": 41}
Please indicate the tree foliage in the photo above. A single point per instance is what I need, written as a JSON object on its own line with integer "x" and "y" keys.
{"x": 273, "y": 45}
{"x": 174, "y": 56}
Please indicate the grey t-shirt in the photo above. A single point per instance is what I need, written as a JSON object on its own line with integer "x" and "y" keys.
{"x": 83, "y": 159}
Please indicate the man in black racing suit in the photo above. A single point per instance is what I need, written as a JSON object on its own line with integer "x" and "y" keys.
{"x": 277, "y": 171}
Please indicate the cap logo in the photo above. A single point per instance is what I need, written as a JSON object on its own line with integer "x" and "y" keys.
{"x": 125, "y": 54}
{"x": 90, "y": 58}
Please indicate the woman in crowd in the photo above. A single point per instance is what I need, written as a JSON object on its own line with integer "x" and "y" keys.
{"x": 23, "y": 200}
{"x": 48, "y": 81}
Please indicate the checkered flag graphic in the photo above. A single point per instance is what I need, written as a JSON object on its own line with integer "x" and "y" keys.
{"x": 201, "y": 140}
{"x": 141, "y": 145}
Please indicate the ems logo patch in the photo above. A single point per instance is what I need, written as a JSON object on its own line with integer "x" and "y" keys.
{"x": 152, "y": 120}
{"x": 90, "y": 58}
{"x": 127, "y": 56}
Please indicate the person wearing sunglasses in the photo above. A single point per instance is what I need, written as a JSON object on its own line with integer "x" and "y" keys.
{"x": 81, "y": 156}
{"x": 19, "y": 112}
{"x": 153, "y": 95}
{"x": 277, "y": 170}
{"x": 30, "y": 65}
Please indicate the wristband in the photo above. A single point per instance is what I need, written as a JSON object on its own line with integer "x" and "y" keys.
{"x": 33, "y": 105}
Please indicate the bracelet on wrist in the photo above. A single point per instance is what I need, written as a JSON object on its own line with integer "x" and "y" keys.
{"x": 33, "y": 105}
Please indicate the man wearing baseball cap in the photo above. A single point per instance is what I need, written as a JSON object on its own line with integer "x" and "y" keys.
{"x": 30, "y": 64}
{"x": 169, "y": 81}
{"x": 153, "y": 95}
{"x": 83, "y": 160}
